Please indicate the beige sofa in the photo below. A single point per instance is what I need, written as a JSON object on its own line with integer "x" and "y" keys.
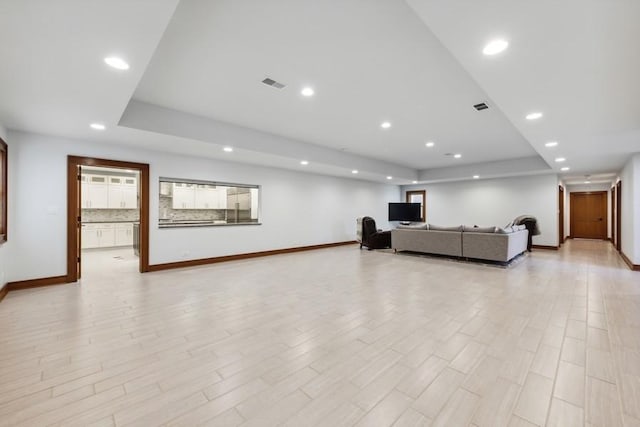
{"x": 496, "y": 246}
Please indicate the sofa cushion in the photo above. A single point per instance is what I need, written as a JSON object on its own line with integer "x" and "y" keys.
{"x": 505, "y": 230}
{"x": 418, "y": 226}
{"x": 476, "y": 229}
{"x": 441, "y": 228}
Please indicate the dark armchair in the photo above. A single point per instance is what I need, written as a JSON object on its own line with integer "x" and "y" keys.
{"x": 373, "y": 238}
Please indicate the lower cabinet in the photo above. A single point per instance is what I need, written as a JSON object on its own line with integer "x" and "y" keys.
{"x": 105, "y": 235}
{"x": 124, "y": 234}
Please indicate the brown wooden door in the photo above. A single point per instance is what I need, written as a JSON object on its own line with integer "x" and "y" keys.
{"x": 589, "y": 215}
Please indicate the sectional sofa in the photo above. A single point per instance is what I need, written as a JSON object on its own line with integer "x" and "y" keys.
{"x": 483, "y": 243}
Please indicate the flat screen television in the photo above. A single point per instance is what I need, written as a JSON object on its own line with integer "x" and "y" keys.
{"x": 406, "y": 212}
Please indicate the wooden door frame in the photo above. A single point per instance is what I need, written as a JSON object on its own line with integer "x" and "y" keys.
{"x": 560, "y": 215}
{"x": 619, "y": 216}
{"x": 571, "y": 213}
{"x": 613, "y": 219}
{"x": 74, "y": 210}
{"x": 423, "y": 193}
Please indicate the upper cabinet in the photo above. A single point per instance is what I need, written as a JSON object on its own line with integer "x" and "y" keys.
{"x": 123, "y": 192}
{"x": 95, "y": 191}
{"x": 109, "y": 192}
{"x": 184, "y": 196}
{"x": 198, "y": 196}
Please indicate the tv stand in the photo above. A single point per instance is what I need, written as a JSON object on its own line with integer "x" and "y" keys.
{"x": 405, "y": 222}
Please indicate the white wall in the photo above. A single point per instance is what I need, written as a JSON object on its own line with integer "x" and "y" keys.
{"x": 580, "y": 189}
{"x": 630, "y": 212}
{"x": 298, "y": 209}
{"x": 3, "y": 248}
{"x": 495, "y": 202}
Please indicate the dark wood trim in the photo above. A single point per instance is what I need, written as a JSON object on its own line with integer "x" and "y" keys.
{"x": 36, "y": 283}
{"x": 73, "y": 209}
{"x": 619, "y": 216}
{"x": 546, "y": 247}
{"x": 560, "y": 214}
{"x": 4, "y": 291}
{"x": 4, "y": 211}
{"x": 634, "y": 267}
{"x": 214, "y": 260}
{"x": 612, "y": 195}
{"x": 423, "y": 193}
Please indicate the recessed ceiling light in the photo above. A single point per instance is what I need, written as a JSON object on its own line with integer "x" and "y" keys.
{"x": 228, "y": 149}
{"x": 534, "y": 116}
{"x": 551, "y": 144}
{"x": 560, "y": 159}
{"x": 566, "y": 168}
{"x": 97, "y": 126}
{"x": 117, "y": 63}
{"x": 389, "y": 177}
{"x": 415, "y": 182}
{"x": 476, "y": 176}
{"x": 304, "y": 162}
{"x": 495, "y": 46}
{"x": 430, "y": 144}
{"x": 587, "y": 182}
{"x": 385, "y": 125}
{"x": 354, "y": 171}
{"x": 307, "y": 91}
{"x": 457, "y": 156}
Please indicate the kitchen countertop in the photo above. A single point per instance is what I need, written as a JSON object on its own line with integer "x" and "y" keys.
{"x": 194, "y": 223}
{"x": 110, "y": 222}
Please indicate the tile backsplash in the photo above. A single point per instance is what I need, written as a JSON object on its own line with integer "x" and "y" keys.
{"x": 109, "y": 215}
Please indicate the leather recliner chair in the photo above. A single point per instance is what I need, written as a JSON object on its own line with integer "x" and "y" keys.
{"x": 373, "y": 238}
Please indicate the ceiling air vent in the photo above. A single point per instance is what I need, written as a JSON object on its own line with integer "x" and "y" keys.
{"x": 273, "y": 83}
{"x": 481, "y": 106}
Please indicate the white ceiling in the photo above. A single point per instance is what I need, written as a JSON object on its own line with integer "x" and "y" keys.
{"x": 576, "y": 61}
{"x": 368, "y": 62}
{"x": 417, "y": 64}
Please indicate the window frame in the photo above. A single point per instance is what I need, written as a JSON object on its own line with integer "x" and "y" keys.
{"x": 422, "y": 193}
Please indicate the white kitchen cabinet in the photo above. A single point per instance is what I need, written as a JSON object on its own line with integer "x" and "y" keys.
{"x": 99, "y": 235}
{"x": 124, "y": 234}
{"x": 90, "y": 236}
{"x": 222, "y": 197}
{"x": 254, "y": 203}
{"x": 95, "y": 191}
{"x": 184, "y": 196}
{"x": 129, "y": 197}
{"x": 106, "y": 235}
{"x": 123, "y": 193}
{"x": 206, "y": 197}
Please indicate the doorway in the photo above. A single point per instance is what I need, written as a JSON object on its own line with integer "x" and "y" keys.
{"x": 560, "y": 214}
{"x": 613, "y": 216}
{"x": 619, "y": 216}
{"x": 102, "y": 196}
{"x": 418, "y": 196}
{"x": 588, "y": 215}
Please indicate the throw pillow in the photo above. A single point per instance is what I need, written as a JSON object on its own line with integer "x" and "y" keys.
{"x": 476, "y": 229}
{"x": 418, "y": 226}
{"x": 506, "y": 230}
{"x": 441, "y": 228}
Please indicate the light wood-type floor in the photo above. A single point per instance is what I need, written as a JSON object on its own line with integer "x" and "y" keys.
{"x": 333, "y": 337}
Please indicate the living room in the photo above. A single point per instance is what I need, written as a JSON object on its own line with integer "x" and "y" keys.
{"x": 283, "y": 320}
